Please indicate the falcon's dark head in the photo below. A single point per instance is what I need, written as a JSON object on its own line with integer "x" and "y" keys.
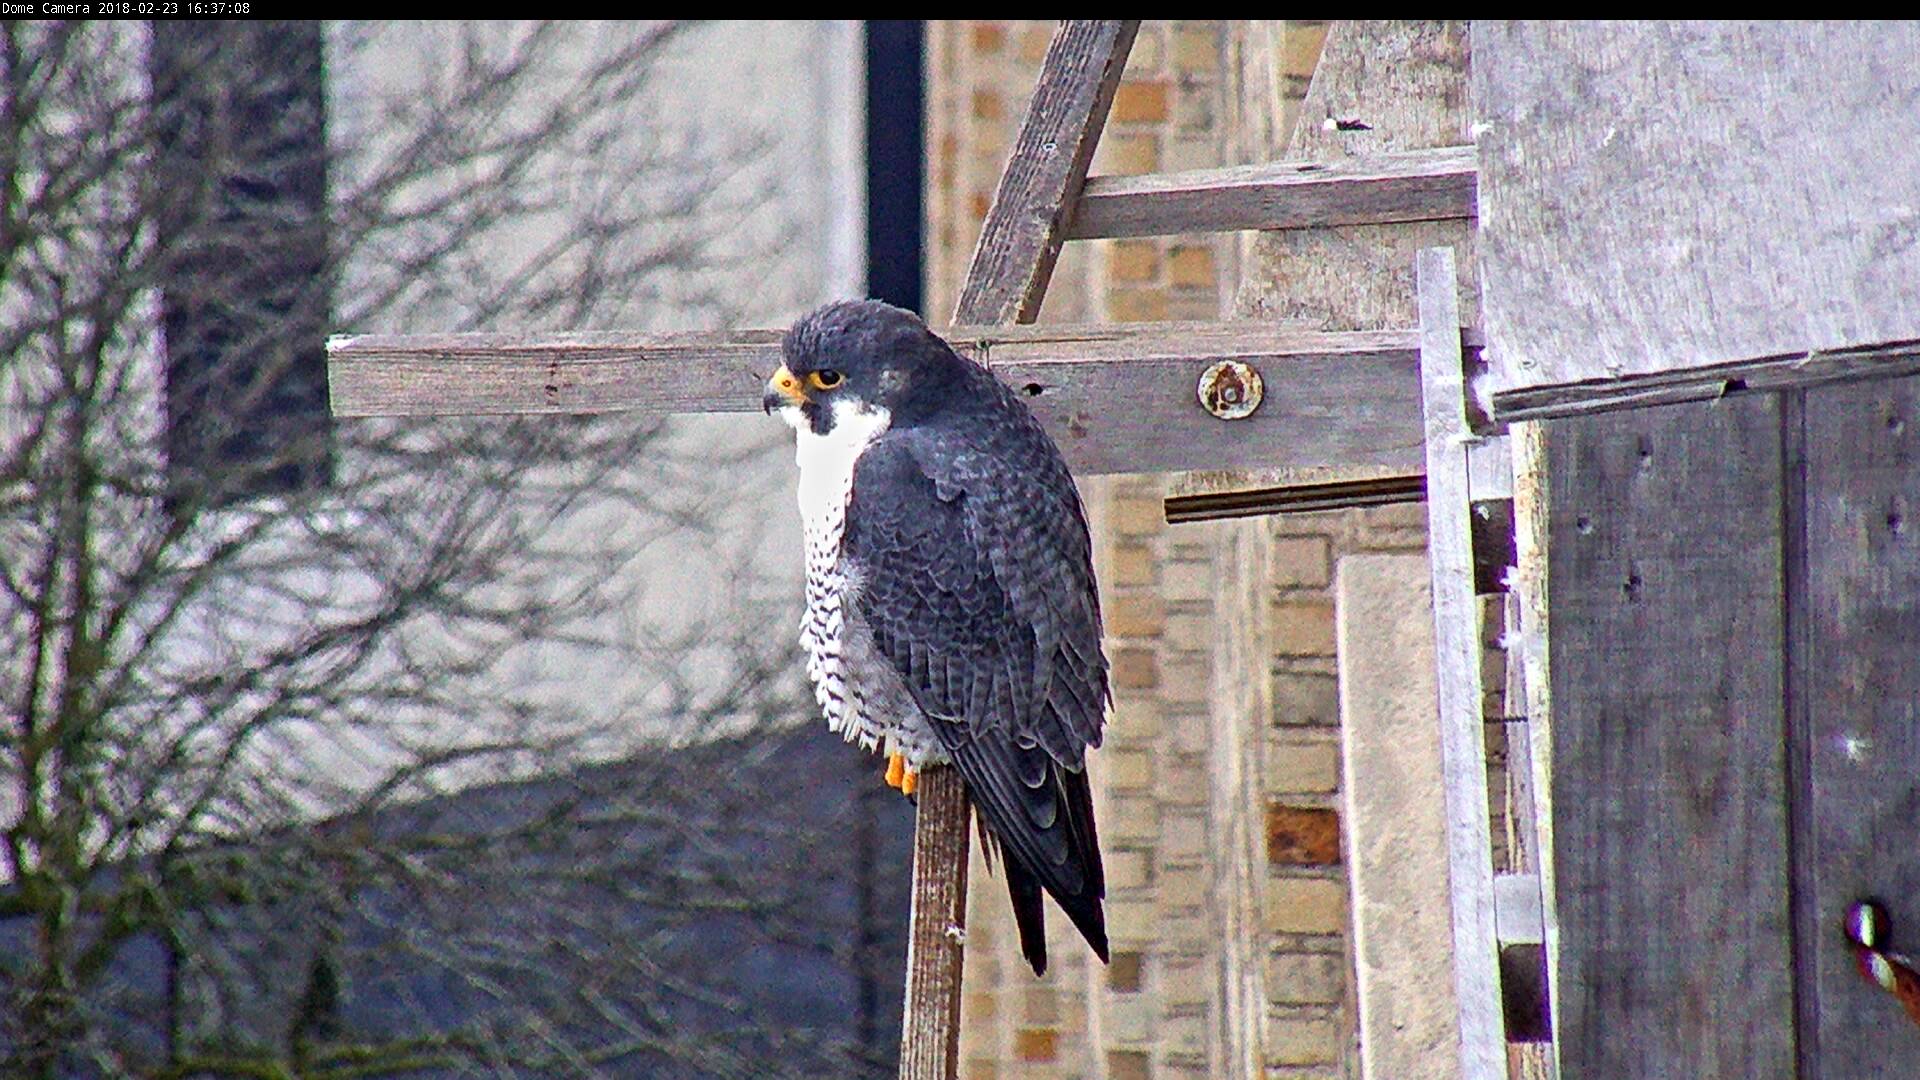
{"x": 867, "y": 358}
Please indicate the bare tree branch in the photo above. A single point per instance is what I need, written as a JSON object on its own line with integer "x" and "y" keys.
{"x": 233, "y": 709}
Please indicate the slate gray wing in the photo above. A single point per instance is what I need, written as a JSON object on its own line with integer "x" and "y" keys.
{"x": 976, "y": 581}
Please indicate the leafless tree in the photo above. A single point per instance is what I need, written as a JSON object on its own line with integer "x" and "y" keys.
{"x": 245, "y": 652}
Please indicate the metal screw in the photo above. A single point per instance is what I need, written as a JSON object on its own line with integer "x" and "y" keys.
{"x": 1231, "y": 390}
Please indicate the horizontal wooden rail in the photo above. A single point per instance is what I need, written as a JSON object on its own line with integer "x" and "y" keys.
{"x": 1890, "y": 360}
{"x": 1117, "y": 398}
{"x": 1421, "y": 185}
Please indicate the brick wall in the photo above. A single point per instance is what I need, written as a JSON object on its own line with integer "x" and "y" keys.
{"x": 1218, "y": 787}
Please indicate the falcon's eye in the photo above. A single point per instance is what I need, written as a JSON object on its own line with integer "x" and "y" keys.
{"x": 825, "y": 379}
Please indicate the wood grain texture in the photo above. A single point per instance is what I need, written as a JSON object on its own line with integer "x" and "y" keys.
{"x": 1116, "y": 398}
{"x": 1424, "y": 185}
{"x": 1526, "y": 992}
{"x": 930, "y": 1038}
{"x": 1669, "y": 838}
{"x": 1027, "y": 221}
{"x": 1356, "y": 405}
{"x": 508, "y": 374}
{"x": 1657, "y": 196}
{"x": 1456, "y": 648}
{"x": 1860, "y": 708}
{"x": 1892, "y": 360}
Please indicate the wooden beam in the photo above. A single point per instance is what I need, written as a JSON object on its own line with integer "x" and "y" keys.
{"x": 1794, "y": 371}
{"x": 1116, "y": 398}
{"x": 1199, "y": 496}
{"x": 930, "y": 1024}
{"x": 1422, "y": 185}
{"x": 1294, "y": 498}
{"x": 514, "y": 374}
{"x": 1008, "y": 277}
{"x": 1456, "y": 619}
{"x": 1026, "y": 224}
{"x": 1530, "y": 756}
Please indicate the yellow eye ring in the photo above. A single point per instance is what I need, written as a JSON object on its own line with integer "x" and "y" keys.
{"x": 825, "y": 379}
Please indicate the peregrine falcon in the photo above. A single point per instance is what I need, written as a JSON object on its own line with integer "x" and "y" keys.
{"x": 951, "y": 613}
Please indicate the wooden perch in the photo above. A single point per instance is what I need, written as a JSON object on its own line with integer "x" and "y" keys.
{"x": 1116, "y": 398}
{"x": 1423, "y": 185}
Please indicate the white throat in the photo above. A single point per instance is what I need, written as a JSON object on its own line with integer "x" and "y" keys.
{"x": 826, "y": 461}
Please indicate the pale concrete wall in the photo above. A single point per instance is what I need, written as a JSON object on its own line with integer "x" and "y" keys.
{"x": 780, "y": 105}
{"x": 1402, "y": 924}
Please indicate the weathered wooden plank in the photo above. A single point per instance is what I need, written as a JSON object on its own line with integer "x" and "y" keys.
{"x": 930, "y": 1035}
{"x": 1117, "y": 398}
{"x": 1859, "y": 713}
{"x": 502, "y": 374}
{"x": 1423, "y": 185}
{"x": 1651, "y": 191}
{"x": 1203, "y": 496}
{"x": 1026, "y": 223}
{"x": 1669, "y": 840}
{"x": 1800, "y": 371}
{"x": 1401, "y": 88}
{"x": 1456, "y": 618}
{"x": 1358, "y": 405}
{"x": 1211, "y": 502}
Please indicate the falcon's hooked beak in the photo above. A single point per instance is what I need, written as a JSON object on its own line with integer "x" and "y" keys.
{"x": 783, "y": 390}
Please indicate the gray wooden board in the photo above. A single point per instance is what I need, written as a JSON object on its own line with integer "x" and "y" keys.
{"x": 1799, "y": 371}
{"x": 1117, "y": 398}
{"x": 1663, "y": 196}
{"x": 1670, "y": 835}
{"x": 1424, "y": 185}
{"x": 1861, "y": 708}
{"x": 1457, "y": 665}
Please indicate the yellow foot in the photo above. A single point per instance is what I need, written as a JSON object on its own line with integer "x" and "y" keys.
{"x": 899, "y": 776}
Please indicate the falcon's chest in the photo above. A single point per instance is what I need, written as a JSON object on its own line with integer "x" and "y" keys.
{"x": 827, "y": 464}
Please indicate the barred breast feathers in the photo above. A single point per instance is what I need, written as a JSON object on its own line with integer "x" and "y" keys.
{"x": 826, "y": 464}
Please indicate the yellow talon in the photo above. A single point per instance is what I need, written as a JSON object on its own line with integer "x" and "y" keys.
{"x": 899, "y": 776}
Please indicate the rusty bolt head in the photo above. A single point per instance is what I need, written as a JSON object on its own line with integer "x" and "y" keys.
{"x": 1231, "y": 390}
